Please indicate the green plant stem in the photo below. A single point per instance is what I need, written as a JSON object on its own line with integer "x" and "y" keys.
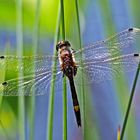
{"x": 130, "y": 102}
{"x": 35, "y": 46}
{"x": 62, "y": 19}
{"x": 52, "y": 87}
{"x": 64, "y": 109}
{"x": 51, "y": 109}
{"x": 21, "y": 110}
{"x": 82, "y": 80}
{"x": 78, "y": 23}
{"x": 64, "y": 79}
{"x": 21, "y": 107}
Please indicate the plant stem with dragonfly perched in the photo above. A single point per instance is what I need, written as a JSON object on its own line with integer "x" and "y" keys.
{"x": 64, "y": 79}
{"x": 82, "y": 80}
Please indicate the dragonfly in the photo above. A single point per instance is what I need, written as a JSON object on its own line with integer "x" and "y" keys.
{"x": 98, "y": 62}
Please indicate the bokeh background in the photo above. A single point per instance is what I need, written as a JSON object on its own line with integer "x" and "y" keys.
{"x": 105, "y": 103}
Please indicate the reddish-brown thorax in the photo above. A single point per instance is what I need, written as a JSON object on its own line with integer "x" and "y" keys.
{"x": 67, "y": 62}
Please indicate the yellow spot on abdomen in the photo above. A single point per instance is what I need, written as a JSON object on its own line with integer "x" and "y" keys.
{"x": 76, "y": 108}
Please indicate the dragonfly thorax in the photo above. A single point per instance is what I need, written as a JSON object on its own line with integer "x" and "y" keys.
{"x": 67, "y": 64}
{"x": 66, "y": 59}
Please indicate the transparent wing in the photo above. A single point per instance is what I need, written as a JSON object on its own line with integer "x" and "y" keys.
{"x": 37, "y": 71}
{"x": 29, "y": 85}
{"x": 99, "y": 70}
{"x": 103, "y": 60}
{"x": 28, "y": 65}
{"x": 112, "y": 47}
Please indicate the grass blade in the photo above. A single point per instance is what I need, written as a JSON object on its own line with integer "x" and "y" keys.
{"x": 64, "y": 109}
{"x": 51, "y": 99}
{"x": 21, "y": 106}
{"x": 82, "y": 80}
{"x": 35, "y": 46}
{"x": 64, "y": 79}
{"x": 130, "y": 102}
{"x": 62, "y": 19}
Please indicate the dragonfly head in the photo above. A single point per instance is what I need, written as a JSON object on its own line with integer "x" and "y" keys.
{"x": 61, "y": 44}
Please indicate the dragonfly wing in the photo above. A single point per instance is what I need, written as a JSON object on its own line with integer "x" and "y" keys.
{"x": 28, "y": 64}
{"x": 29, "y": 85}
{"x": 37, "y": 71}
{"x": 101, "y": 70}
{"x": 103, "y": 60}
{"x": 122, "y": 42}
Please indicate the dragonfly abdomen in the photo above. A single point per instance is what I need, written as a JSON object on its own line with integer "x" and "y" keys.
{"x": 75, "y": 102}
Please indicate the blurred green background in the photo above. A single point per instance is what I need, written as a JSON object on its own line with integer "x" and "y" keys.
{"x": 105, "y": 107}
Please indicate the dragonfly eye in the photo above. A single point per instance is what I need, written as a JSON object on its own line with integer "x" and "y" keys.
{"x": 60, "y": 44}
{"x": 1, "y": 57}
{"x": 4, "y": 83}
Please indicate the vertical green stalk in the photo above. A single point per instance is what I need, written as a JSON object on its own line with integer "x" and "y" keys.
{"x": 64, "y": 109}
{"x": 35, "y": 46}
{"x": 62, "y": 19}
{"x": 78, "y": 23}
{"x": 21, "y": 107}
{"x": 52, "y": 87}
{"x": 64, "y": 79}
{"x": 82, "y": 80}
{"x": 130, "y": 102}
